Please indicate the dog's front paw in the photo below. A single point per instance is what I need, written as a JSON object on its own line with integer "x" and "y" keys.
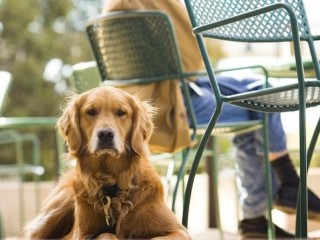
{"x": 107, "y": 236}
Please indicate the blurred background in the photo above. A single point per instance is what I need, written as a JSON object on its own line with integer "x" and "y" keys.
{"x": 39, "y": 41}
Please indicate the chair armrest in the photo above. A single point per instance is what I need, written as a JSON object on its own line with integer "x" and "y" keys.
{"x": 262, "y": 68}
{"x": 13, "y": 122}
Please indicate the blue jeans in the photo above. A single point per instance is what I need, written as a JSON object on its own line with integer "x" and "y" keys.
{"x": 249, "y": 146}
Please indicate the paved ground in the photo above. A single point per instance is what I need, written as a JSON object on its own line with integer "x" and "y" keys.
{"x": 198, "y": 217}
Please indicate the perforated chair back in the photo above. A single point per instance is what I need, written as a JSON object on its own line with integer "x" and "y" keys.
{"x": 5, "y": 84}
{"x": 134, "y": 45}
{"x": 272, "y": 25}
{"x": 254, "y": 29}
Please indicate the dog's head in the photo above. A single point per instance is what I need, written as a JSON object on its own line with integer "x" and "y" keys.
{"x": 106, "y": 120}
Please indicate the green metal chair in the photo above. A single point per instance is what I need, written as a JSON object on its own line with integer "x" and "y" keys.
{"x": 262, "y": 21}
{"x": 12, "y": 136}
{"x": 138, "y": 47}
{"x": 20, "y": 168}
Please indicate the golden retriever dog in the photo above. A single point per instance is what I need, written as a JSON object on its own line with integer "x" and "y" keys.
{"x": 114, "y": 191}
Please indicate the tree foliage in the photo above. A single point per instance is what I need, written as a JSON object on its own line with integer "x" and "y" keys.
{"x": 34, "y": 32}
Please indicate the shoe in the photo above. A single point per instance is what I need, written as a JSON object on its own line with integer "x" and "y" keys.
{"x": 286, "y": 202}
{"x": 257, "y": 228}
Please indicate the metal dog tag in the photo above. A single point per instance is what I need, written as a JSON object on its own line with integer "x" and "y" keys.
{"x": 106, "y": 206}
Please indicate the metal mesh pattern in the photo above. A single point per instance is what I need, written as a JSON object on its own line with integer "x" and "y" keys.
{"x": 266, "y": 27}
{"x": 283, "y": 101}
{"x": 121, "y": 53}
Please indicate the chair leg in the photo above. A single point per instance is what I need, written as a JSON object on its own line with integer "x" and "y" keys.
{"x": 195, "y": 164}
{"x": 302, "y": 201}
{"x": 313, "y": 142}
{"x": 214, "y": 186}
{"x": 61, "y": 150}
{"x": 299, "y": 225}
{"x": 180, "y": 177}
{"x": 36, "y": 162}
{"x": 2, "y": 234}
{"x": 19, "y": 151}
{"x": 38, "y": 169}
{"x": 168, "y": 177}
{"x": 268, "y": 178}
{"x": 301, "y": 217}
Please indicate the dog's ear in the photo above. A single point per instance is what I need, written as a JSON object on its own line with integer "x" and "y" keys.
{"x": 68, "y": 124}
{"x": 142, "y": 125}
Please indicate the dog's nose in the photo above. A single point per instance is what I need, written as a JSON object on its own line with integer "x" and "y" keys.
{"x": 105, "y": 135}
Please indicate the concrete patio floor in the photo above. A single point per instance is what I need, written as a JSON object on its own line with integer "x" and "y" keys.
{"x": 198, "y": 217}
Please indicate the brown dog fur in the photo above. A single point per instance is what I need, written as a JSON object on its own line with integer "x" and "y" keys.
{"x": 72, "y": 210}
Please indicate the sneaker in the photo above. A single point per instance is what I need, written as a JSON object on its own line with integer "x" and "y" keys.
{"x": 257, "y": 228}
{"x": 286, "y": 202}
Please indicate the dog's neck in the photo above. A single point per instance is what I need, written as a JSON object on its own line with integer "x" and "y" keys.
{"x": 110, "y": 164}
{"x": 110, "y": 170}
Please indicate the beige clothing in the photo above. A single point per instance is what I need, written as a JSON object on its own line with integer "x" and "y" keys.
{"x": 172, "y": 128}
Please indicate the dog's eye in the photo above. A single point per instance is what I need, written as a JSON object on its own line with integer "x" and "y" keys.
{"x": 92, "y": 112}
{"x": 121, "y": 113}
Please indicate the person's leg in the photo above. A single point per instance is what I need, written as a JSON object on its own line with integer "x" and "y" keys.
{"x": 251, "y": 188}
{"x": 251, "y": 176}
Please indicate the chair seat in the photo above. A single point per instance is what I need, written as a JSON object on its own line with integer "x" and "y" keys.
{"x": 278, "y": 99}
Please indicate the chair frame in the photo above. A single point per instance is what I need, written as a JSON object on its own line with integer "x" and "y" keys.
{"x": 16, "y": 138}
{"x": 201, "y": 31}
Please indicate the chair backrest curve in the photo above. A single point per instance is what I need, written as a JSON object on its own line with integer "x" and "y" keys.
{"x": 253, "y": 29}
{"x": 134, "y": 44}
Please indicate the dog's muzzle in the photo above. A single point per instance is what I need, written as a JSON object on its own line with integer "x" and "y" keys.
{"x": 106, "y": 138}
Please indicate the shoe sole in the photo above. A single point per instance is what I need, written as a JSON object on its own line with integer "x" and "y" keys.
{"x": 311, "y": 215}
